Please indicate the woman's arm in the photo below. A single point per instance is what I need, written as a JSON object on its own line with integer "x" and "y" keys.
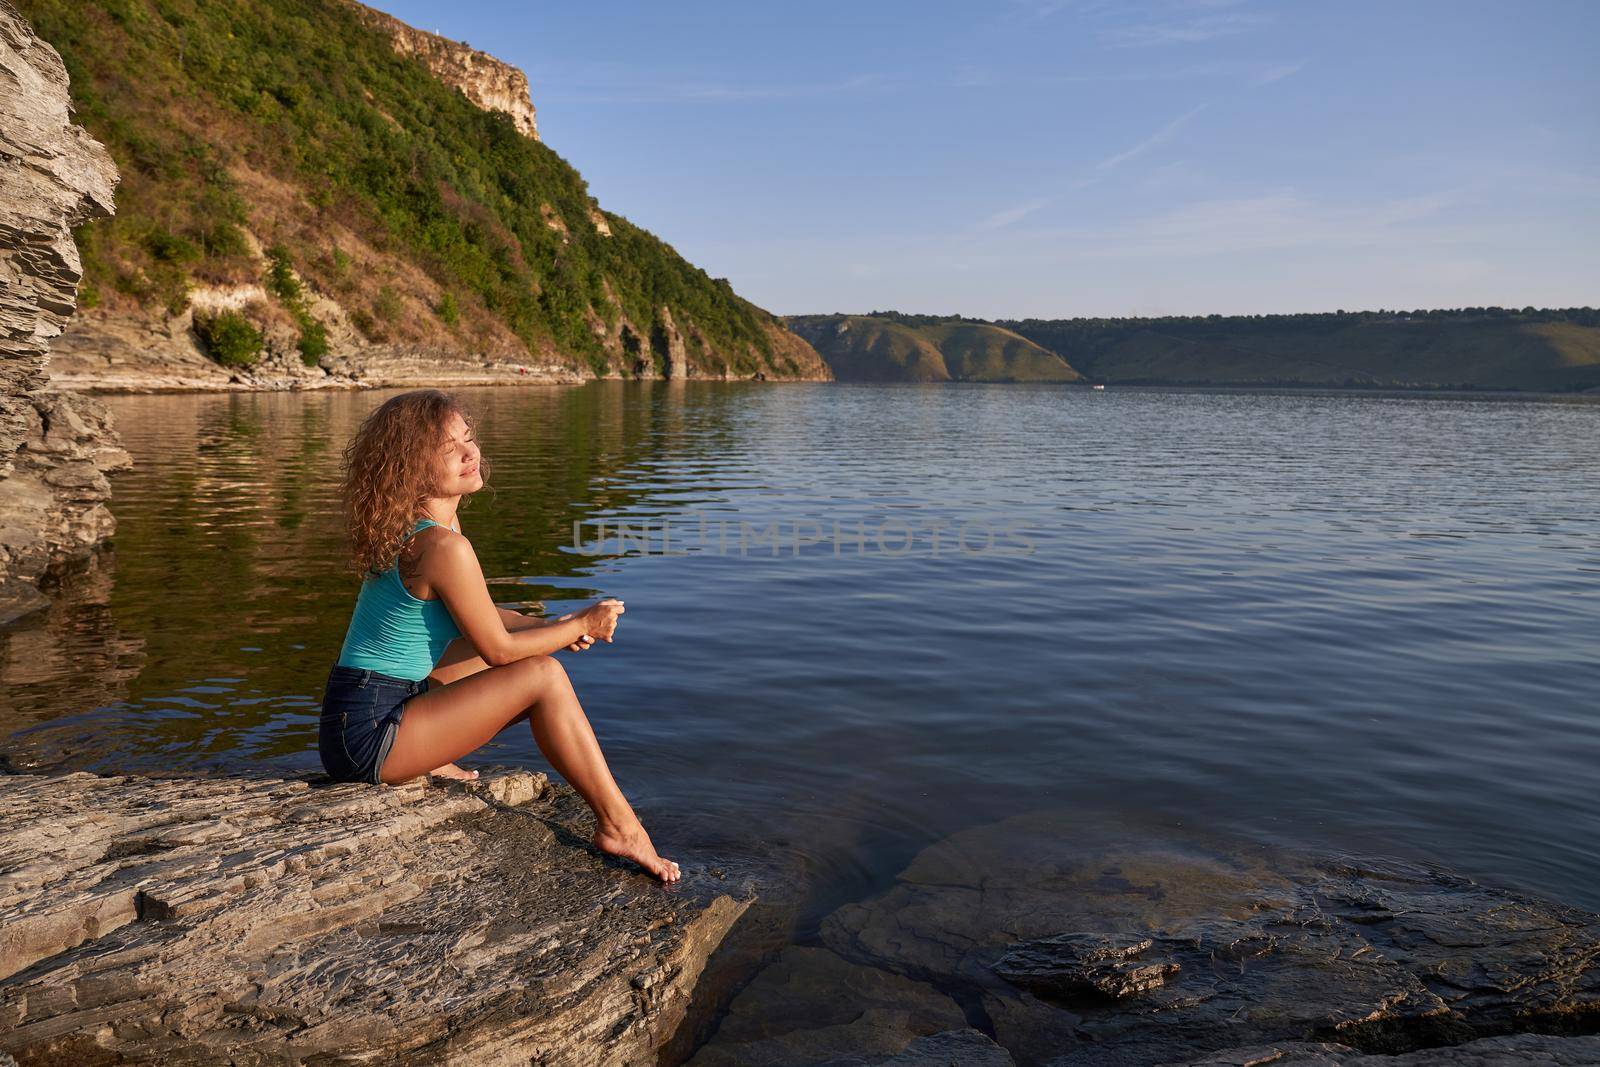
{"x": 515, "y": 621}
{"x": 453, "y": 572}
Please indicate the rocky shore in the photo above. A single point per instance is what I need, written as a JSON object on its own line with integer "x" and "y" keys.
{"x": 266, "y": 920}
{"x": 102, "y": 352}
{"x": 1065, "y": 945}
{"x": 291, "y": 920}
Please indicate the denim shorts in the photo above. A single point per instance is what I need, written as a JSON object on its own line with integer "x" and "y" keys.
{"x": 361, "y": 711}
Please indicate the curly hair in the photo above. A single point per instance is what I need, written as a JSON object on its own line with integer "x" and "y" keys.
{"x": 390, "y": 467}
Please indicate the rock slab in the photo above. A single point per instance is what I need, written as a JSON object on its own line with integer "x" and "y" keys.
{"x": 266, "y": 920}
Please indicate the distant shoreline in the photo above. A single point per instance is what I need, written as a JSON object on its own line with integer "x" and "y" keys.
{"x": 113, "y": 387}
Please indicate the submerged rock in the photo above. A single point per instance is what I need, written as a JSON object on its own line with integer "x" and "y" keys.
{"x": 1077, "y": 947}
{"x": 271, "y": 920}
{"x": 1078, "y": 964}
{"x": 811, "y": 1007}
{"x": 1544, "y": 1049}
{"x": 953, "y": 1048}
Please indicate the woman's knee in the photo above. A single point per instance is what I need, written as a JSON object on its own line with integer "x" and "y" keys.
{"x": 541, "y": 672}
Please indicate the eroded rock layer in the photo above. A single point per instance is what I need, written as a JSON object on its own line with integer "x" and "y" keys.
{"x": 271, "y": 920}
{"x": 488, "y": 82}
{"x": 54, "y": 450}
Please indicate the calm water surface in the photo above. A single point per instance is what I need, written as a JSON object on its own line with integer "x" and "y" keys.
{"x": 1359, "y": 622}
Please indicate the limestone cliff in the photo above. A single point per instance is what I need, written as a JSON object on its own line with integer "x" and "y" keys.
{"x": 483, "y": 79}
{"x": 54, "y": 448}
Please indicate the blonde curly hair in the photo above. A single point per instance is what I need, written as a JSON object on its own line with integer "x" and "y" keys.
{"x": 390, "y": 467}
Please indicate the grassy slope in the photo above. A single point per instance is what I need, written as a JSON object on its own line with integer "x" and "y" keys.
{"x": 419, "y": 212}
{"x": 865, "y": 348}
{"x": 1441, "y": 350}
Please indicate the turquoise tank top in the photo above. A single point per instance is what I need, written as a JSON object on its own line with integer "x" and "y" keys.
{"x": 393, "y": 632}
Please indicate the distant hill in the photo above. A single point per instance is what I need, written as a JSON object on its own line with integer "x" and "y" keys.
{"x": 1470, "y": 348}
{"x": 304, "y": 178}
{"x": 889, "y": 348}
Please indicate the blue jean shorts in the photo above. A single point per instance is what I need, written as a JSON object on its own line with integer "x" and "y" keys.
{"x": 361, "y": 712}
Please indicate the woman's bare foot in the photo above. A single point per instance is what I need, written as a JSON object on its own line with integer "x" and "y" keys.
{"x": 450, "y": 770}
{"x": 634, "y": 844}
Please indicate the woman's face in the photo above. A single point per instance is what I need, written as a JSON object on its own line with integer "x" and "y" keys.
{"x": 459, "y": 460}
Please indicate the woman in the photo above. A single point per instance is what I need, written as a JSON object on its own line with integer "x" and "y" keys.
{"x": 431, "y": 668}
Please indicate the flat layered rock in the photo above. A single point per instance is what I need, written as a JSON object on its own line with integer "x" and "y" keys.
{"x": 1075, "y": 944}
{"x": 261, "y": 920}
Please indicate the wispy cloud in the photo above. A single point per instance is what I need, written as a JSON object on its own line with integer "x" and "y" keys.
{"x": 1186, "y": 30}
{"x": 1284, "y": 219}
{"x": 1280, "y": 72}
{"x": 1163, "y": 134}
{"x": 1252, "y": 72}
{"x": 713, "y": 92}
{"x": 1011, "y": 215}
{"x": 1002, "y": 219}
{"x": 1043, "y": 9}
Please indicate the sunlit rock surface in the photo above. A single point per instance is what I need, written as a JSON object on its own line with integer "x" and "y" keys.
{"x": 54, "y": 449}
{"x": 488, "y": 82}
{"x": 267, "y": 920}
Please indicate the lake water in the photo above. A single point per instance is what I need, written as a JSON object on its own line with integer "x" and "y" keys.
{"x": 866, "y": 617}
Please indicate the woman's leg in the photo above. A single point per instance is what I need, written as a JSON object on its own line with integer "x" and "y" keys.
{"x": 452, "y": 720}
{"x": 459, "y": 660}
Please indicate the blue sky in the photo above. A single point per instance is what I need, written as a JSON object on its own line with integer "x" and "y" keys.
{"x": 1082, "y": 157}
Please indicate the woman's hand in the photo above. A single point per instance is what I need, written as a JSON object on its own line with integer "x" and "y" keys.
{"x": 601, "y": 619}
{"x": 581, "y": 643}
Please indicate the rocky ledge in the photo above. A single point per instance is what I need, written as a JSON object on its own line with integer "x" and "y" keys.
{"x": 1065, "y": 942}
{"x": 257, "y": 920}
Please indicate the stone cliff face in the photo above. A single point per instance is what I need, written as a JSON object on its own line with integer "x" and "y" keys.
{"x": 54, "y": 448}
{"x": 483, "y": 79}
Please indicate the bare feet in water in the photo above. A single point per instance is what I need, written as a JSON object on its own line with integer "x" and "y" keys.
{"x": 450, "y": 770}
{"x": 634, "y": 844}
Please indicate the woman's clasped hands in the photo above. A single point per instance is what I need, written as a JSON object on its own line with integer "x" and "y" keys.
{"x": 601, "y": 621}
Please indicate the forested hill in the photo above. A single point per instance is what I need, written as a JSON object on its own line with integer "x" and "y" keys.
{"x": 888, "y": 348}
{"x": 305, "y": 173}
{"x": 1472, "y": 348}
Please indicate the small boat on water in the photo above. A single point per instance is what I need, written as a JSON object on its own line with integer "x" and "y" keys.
{"x": 1098, "y": 388}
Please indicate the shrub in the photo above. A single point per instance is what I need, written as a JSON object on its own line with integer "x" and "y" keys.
{"x": 229, "y": 338}
{"x": 313, "y": 342}
{"x": 448, "y": 312}
{"x": 388, "y": 306}
{"x": 283, "y": 283}
{"x": 281, "y": 280}
{"x": 167, "y": 247}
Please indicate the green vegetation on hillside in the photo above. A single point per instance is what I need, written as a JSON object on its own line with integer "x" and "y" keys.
{"x": 1483, "y": 348}
{"x": 228, "y": 338}
{"x": 293, "y": 119}
{"x": 891, "y": 348}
